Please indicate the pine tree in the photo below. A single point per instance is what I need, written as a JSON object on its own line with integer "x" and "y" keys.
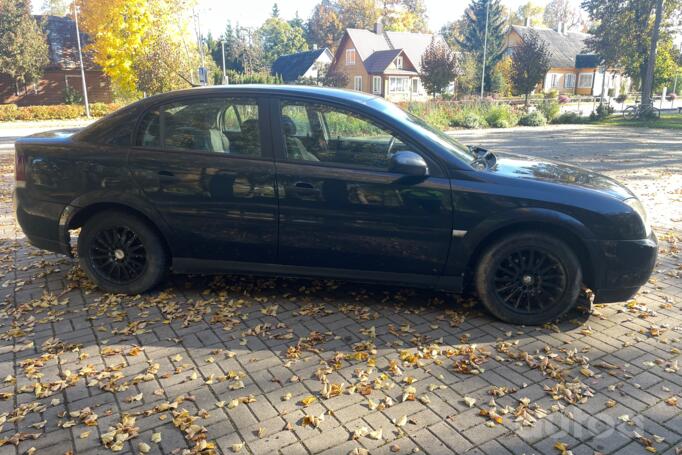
{"x": 473, "y": 35}
{"x": 23, "y": 47}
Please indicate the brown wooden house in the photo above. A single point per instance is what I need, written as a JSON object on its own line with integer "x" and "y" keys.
{"x": 62, "y": 71}
{"x": 383, "y": 63}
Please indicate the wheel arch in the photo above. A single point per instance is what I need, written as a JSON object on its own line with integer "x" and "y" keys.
{"x": 572, "y": 233}
{"x": 75, "y": 217}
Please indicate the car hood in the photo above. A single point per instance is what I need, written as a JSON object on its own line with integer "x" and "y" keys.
{"x": 526, "y": 167}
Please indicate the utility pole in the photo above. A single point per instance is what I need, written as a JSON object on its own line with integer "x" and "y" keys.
{"x": 485, "y": 46}
{"x": 80, "y": 57}
{"x": 222, "y": 46}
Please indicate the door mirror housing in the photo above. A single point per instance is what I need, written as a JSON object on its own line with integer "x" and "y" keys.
{"x": 408, "y": 163}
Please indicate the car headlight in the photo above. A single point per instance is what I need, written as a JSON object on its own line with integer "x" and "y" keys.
{"x": 637, "y": 206}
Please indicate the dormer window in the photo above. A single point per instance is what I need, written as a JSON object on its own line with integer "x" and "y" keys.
{"x": 350, "y": 56}
{"x": 399, "y": 62}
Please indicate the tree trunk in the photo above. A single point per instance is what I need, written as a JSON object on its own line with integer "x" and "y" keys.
{"x": 648, "y": 83}
{"x": 526, "y": 104}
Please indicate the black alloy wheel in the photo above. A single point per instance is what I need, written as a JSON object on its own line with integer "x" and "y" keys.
{"x": 118, "y": 254}
{"x": 122, "y": 252}
{"x": 528, "y": 278}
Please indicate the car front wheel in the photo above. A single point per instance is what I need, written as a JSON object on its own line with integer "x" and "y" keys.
{"x": 121, "y": 253}
{"x": 528, "y": 278}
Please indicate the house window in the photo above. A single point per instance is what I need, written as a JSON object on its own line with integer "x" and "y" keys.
{"x": 554, "y": 80}
{"x": 585, "y": 80}
{"x": 398, "y": 84}
{"x": 399, "y": 62}
{"x": 376, "y": 85}
{"x": 350, "y": 56}
{"x": 569, "y": 81}
{"x": 357, "y": 83}
{"x": 415, "y": 85}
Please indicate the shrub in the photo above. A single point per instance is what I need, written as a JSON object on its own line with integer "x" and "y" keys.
{"x": 569, "y": 117}
{"x": 611, "y": 92}
{"x": 550, "y": 109}
{"x": 501, "y": 116}
{"x": 8, "y": 112}
{"x": 535, "y": 118}
{"x": 602, "y": 111}
{"x": 552, "y": 94}
{"x": 102, "y": 109}
{"x": 72, "y": 96}
{"x": 563, "y": 99}
{"x": 472, "y": 120}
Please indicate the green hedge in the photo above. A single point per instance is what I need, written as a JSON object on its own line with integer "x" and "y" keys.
{"x": 12, "y": 112}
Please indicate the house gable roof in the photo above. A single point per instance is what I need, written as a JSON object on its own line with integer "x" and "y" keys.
{"x": 379, "y": 61}
{"x": 293, "y": 66}
{"x": 563, "y": 47}
{"x": 368, "y": 43}
{"x": 62, "y": 44}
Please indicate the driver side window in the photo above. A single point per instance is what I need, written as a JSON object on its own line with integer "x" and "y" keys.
{"x": 333, "y": 135}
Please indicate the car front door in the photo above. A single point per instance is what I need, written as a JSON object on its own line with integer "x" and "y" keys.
{"x": 341, "y": 208}
{"x": 207, "y": 167}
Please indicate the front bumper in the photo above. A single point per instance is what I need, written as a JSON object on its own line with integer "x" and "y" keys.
{"x": 621, "y": 267}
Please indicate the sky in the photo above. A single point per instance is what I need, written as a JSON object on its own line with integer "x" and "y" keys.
{"x": 214, "y": 14}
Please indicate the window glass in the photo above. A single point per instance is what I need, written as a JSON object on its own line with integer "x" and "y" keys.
{"x": 585, "y": 80}
{"x": 149, "y": 134}
{"x": 338, "y": 137}
{"x": 299, "y": 116}
{"x": 205, "y": 125}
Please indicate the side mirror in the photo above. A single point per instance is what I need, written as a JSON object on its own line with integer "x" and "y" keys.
{"x": 408, "y": 163}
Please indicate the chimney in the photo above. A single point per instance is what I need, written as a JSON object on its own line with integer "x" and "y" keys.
{"x": 315, "y": 46}
{"x": 527, "y": 22}
{"x": 379, "y": 26}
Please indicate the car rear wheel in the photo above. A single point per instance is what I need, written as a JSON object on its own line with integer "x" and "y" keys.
{"x": 121, "y": 253}
{"x": 528, "y": 278}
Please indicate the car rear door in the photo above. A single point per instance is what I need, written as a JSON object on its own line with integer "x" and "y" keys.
{"x": 206, "y": 164}
{"x": 341, "y": 208}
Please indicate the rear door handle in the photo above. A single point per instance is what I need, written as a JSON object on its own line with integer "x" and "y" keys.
{"x": 304, "y": 186}
{"x": 166, "y": 176}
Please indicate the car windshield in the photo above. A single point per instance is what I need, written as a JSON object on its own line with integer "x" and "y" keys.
{"x": 449, "y": 143}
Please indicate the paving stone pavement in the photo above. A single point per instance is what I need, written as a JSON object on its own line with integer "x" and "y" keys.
{"x": 229, "y": 364}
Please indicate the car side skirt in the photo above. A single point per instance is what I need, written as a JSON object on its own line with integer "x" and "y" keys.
{"x": 209, "y": 267}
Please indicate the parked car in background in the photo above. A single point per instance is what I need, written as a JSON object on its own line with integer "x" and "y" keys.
{"x": 315, "y": 182}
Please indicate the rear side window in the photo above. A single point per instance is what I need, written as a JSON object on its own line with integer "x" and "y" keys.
{"x": 114, "y": 129}
{"x": 218, "y": 125}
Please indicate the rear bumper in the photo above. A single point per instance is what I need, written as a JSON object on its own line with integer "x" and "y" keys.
{"x": 40, "y": 222}
{"x": 622, "y": 267}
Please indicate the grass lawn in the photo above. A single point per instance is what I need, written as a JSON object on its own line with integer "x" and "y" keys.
{"x": 667, "y": 121}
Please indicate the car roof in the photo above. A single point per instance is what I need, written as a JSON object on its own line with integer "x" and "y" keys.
{"x": 326, "y": 93}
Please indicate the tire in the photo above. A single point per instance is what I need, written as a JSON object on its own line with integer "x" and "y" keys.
{"x": 630, "y": 113}
{"x": 122, "y": 253}
{"x": 528, "y": 278}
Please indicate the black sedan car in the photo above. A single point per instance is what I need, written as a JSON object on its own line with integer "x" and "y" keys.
{"x": 315, "y": 182}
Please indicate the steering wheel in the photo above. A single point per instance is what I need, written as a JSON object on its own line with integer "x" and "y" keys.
{"x": 391, "y": 143}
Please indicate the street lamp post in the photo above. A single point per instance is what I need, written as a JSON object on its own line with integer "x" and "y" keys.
{"x": 485, "y": 46}
{"x": 222, "y": 46}
{"x": 80, "y": 57}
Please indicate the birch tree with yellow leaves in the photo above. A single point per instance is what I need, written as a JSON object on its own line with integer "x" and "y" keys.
{"x": 144, "y": 46}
